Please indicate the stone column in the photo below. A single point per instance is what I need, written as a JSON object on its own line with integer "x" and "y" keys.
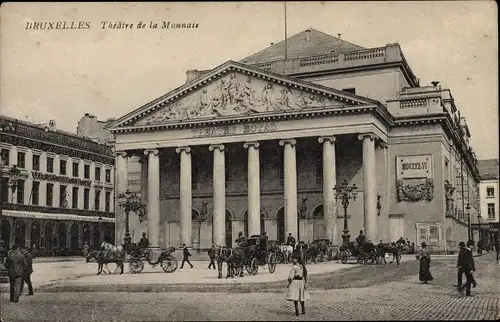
{"x": 219, "y": 182}
{"x": 253, "y": 188}
{"x": 369, "y": 186}
{"x": 121, "y": 186}
{"x": 153, "y": 206}
{"x": 290, "y": 171}
{"x": 329, "y": 182}
{"x": 186, "y": 202}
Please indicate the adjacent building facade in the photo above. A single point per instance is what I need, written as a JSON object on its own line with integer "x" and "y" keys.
{"x": 57, "y": 188}
{"x": 488, "y": 191}
{"x": 259, "y": 145}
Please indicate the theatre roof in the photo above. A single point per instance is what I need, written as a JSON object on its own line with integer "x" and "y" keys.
{"x": 307, "y": 43}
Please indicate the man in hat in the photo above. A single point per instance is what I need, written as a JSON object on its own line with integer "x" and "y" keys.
{"x": 466, "y": 265}
{"x": 28, "y": 254}
{"x": 211, "y": 255}
{"x": 361, "y": 238}
{"x": 290, "y": 240}
{"x": 16, "y": 265}
{"x": 185, "y": 256}
{"x": 144, "y": 242}
{"x": 461, "y": 260}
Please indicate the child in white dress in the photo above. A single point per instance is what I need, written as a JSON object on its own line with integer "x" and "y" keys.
{"x": 297, "y": 283}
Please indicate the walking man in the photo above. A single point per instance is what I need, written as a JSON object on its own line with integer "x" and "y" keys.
{"x": 211, "y": 254}
{"x": 461, "y": 264}
{"x": 468, "y": 267}
{"x": 185, "y": 257}
{"x": 15, "y": 264}
{"x": 28, "y": 254}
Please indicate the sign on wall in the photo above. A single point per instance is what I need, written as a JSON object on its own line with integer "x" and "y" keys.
{"x": 415, "y": 166}
{"x": 134, "y": 181}
{"x": 235, "y": 129}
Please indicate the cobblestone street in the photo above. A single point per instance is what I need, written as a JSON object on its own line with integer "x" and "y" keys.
{"x": 362, "y": 293}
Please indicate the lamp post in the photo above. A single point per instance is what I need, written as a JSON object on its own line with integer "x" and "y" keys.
{"x": 470, "y": 235}
{"x": 132, "y": 203}
{"x": 302, "y": 215}
{"x": 344, "y": 192}
{"x": 202, "y": 217}
{"x": 479, "y": 226}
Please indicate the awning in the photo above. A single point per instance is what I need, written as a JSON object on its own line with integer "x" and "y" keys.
{"x": 50, "y": 216}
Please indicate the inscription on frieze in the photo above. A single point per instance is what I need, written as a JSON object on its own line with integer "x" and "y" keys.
{"x": 239, "y": 129}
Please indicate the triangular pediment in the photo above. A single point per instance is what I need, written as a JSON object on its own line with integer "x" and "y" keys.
{"x": 234, "y": 90}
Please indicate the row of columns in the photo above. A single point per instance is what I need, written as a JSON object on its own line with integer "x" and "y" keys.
{"x": 219, "y": 193}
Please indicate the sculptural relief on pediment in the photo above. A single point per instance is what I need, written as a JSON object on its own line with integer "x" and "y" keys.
{"x": 238, "y": 94}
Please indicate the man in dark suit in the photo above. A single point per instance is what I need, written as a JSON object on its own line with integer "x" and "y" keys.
{"x": 466, "y": 263}
{"x": 461, "y": 259}
{"x": 28, "y": 254}
{"x": 211, "y": 255}
{"x": 185, "y": 257}
{"x": 16, "y": 265}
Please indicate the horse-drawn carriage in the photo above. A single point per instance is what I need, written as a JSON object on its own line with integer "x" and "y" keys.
{"x": 365, "y": 253}
{"x": 259, "y": 252}
{"x": 321, "y": 249}
{"x": 163, "y": 257}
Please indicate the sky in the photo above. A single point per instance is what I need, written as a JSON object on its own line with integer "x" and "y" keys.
{"x": 63, "y": 74}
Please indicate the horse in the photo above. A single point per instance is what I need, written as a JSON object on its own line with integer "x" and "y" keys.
{"x": 233, "y": 259}
{"x": 107, "y": 254}
{"x": 286, "y": 252}
{"x": 394, "y": 248}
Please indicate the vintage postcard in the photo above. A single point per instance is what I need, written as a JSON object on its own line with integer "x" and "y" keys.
{"x": 227, "y": 161}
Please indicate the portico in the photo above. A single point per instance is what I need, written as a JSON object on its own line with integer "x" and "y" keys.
{"x": 252, "y": 155}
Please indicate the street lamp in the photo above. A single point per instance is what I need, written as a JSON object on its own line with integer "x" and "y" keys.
{"x": 469, "y": 230}
{"x": 344, "y": 193}
{"x": 132, "y": 203}
{"x": 202, "y": 217}
{"x": 302, "y": 215}
{"x": 479, "y": 226}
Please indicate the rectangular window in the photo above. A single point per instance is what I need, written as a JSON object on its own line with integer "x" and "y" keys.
{"x": 5, "y": 189}
{"x": 97, "y": 200}
{"x": 50, "y": 195}
{"x": 35, "y": 193}
{"x": 108, "y": 175}
{"x": 20, "y": 192}
{"x": 319, "y": 166}
{"x": 36, "y": 162}
{"x": 5, "y": 154}
{"x": 63, "y": 198}
{"x": 350, "y": 90}
{"x": 86, "y": 171}
{"x": 74, "y": 198}
{"x": 86, "y": 197}
{"x": 491, "y": 211}
{"x": 62, "y": 167}
{"x": 75, "y": 169}
{"x": 108, "y": 201}
{"x": 21, "y": 160}
{"x": 490, "y": 192}
{"x": 195, "y": 173}
{"x": 50, "y": 165}
{"x": 97, "y": 174}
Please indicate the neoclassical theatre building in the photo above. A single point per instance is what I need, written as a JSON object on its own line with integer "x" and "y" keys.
{"x": 57, "y": 188}
{"x": 259, "y": 145}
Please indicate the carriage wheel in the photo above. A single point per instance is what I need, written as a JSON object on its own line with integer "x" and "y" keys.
{"x": 254, "y": 266}
{"x": 343, "y": 257}
{"x": 169, "y": 264}
{"x": 271, "y": 263}
{"x": 248, "y": 267}
{"x": 135, "y": 266}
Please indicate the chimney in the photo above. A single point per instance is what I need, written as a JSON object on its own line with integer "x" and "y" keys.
{"x": 339, "y": 36}
{"x": 308, "y": 34}
{"x": 435, "y": 83}
{"x": 52, "y": 125}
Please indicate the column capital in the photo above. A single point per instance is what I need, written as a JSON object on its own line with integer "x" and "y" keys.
{"x": 322, "y": 139}
{"x": 219, "y": 147}
{"x": 371, "y": 136}
{"x": 246, "y": 145}
{"x": 149, "y": 151}
{"x": 183, "y": 148}
{"x": 292, "y": 142}
{"x": 122, "y": 154}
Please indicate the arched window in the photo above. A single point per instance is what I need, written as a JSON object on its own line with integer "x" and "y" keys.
{"x": 318, "y": 212}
